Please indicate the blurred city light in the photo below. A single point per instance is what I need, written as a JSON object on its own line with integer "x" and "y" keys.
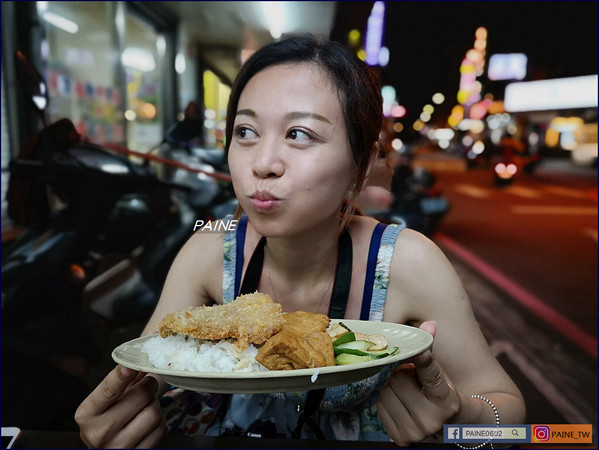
{"x": 559, "y": 93}
{"x": 384, "y": 56}
{"x": 374, "y": 33}
{"x": 398, "y": 111}
{"x": 510, "y": 66}
{"x": 397, "y": 144}
{"x": 438, "y": 98}
{"x": 354, "y": 37}
{"x": 389, "y": 96}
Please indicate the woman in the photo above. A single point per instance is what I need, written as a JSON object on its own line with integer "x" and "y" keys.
{"x": 302, "y": 128}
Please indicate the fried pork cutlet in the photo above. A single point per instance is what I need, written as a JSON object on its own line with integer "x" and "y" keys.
{"x": 250, "y": 318}
{"x": 302, "y": 343}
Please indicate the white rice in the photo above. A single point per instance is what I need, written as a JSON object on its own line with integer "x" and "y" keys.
{"x": 178, "y": 353}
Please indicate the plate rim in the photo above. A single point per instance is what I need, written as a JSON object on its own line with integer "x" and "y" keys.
{"x": 270, "y": 374}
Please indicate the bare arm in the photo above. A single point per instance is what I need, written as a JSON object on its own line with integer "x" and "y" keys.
{"x": 437, "y": 388}
{"x": 123, "y": 411}
{"x": 194, "y": 279}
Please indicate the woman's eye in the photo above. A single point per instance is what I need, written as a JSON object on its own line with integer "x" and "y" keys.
{"x": 298, "y": 135}
{"x": 245, "y": 132}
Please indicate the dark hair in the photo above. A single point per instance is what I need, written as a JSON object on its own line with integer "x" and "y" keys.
{"x": 357, "y": 87}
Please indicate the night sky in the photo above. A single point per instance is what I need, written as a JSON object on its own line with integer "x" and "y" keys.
{"x": 427, "y": 41}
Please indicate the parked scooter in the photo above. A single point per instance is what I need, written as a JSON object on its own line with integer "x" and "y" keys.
{"x": 418, "y": 200}
{"x": 101, "y": 232}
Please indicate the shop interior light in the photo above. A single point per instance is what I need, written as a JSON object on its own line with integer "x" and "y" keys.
{"x": 275, "y": 18}
{"x": 61, "y": 22}
{"x": 138, "y": 58}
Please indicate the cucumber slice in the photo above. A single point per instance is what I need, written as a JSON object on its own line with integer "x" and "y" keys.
{"x": 355, "y": 347}
{"x": 383, "y": 353}
{"x": 347, "y": 337}
{"x": 347, "y": 358}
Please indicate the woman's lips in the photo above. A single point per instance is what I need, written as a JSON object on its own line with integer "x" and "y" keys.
{"x": 264, "y": 201}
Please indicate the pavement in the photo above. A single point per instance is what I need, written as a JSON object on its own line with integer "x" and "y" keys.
{"x": 557, "y": 379}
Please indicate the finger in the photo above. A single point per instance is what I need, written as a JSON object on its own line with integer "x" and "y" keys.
{"x": 106, "y": 430}
{"x": 145, "y": 422}
{"x": 108, "y": 391}
{"x": 397, "y": 420}
{"x": 431, "y": 377}
{"x": 154, "y": 439}
{"x": 133, "y": 402}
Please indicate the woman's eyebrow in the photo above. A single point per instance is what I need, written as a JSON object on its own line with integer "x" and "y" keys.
{"x": 306, "y": 115}
{"x": 246, "y": 112}
{"x": 289, "y": 116}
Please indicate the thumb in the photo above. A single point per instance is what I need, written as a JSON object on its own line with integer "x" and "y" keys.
{"x": 429, "y": 371}
{"x": 430, "y": 326}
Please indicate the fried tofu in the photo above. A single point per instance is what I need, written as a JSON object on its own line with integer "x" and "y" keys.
{"x": 304, "y": 322}
{"x": 250, "y": 319}
{"x": 302, "y": 343}
{"x": 286, "y": 351}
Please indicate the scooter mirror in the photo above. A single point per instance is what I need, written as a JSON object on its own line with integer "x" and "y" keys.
{"x": 31, "y": 81}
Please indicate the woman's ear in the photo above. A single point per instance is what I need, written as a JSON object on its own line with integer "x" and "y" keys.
{"x": 380, "y": 171}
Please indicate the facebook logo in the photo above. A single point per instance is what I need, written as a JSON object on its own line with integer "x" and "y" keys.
{"x": 453, "y": 433}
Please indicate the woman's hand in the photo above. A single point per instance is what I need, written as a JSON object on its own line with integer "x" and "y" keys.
{"x": 122, "y": 412}
{"x": 418, "y": 398}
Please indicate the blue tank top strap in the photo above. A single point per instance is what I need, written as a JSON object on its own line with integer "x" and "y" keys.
{"x": 375, "y": 241}
{"x": 233, "y": 259}
{"x": 381, "y": 272}
{"x": 240, "y": 241}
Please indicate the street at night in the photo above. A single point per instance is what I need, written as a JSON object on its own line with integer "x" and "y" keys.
{"x": 527, "y": 255}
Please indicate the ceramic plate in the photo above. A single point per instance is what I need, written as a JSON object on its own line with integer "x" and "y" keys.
{"x": 409, "y": 340}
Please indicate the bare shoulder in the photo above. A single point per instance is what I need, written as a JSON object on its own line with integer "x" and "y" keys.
{"x": 422, "y": 282}
{"x": 200, "y": 261}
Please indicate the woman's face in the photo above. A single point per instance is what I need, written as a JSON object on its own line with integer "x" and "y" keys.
{"x": 289, "y": 155}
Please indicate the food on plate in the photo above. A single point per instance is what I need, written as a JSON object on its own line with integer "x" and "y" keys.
{"x": 351, "y": 347}
{"x": 253, "y": 334}
{"x": 304, "y": 322}
{"x": 302, "y": 343}
{"x": 178, "y": 352}
{"x": 250, "y": 319}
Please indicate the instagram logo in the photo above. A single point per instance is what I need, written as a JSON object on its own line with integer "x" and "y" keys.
{"x": 541, "y": 433}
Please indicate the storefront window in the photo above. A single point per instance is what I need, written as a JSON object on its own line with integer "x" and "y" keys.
{"x": 81, "y": 68}
{"x": 142, "y": 59}
{"x": 84, "y": 65}
{"x": 216, "y": 96}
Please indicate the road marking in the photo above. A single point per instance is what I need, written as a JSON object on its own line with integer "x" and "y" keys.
{"x": 550, "y": 392}
{"x": 472, "y": 191}
{"x": 591, "y": 233}
{"x": 566, "y": 192}
{"x": 523, "y": 192}
{"x": 530, "y": 301}
{"x": 556, "y": 210}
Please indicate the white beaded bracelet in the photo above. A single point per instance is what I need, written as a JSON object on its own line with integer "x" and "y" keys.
{"x": 494, "y": 408}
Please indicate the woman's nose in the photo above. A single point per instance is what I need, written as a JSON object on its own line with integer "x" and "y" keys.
{"x": 268, "y": 162}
